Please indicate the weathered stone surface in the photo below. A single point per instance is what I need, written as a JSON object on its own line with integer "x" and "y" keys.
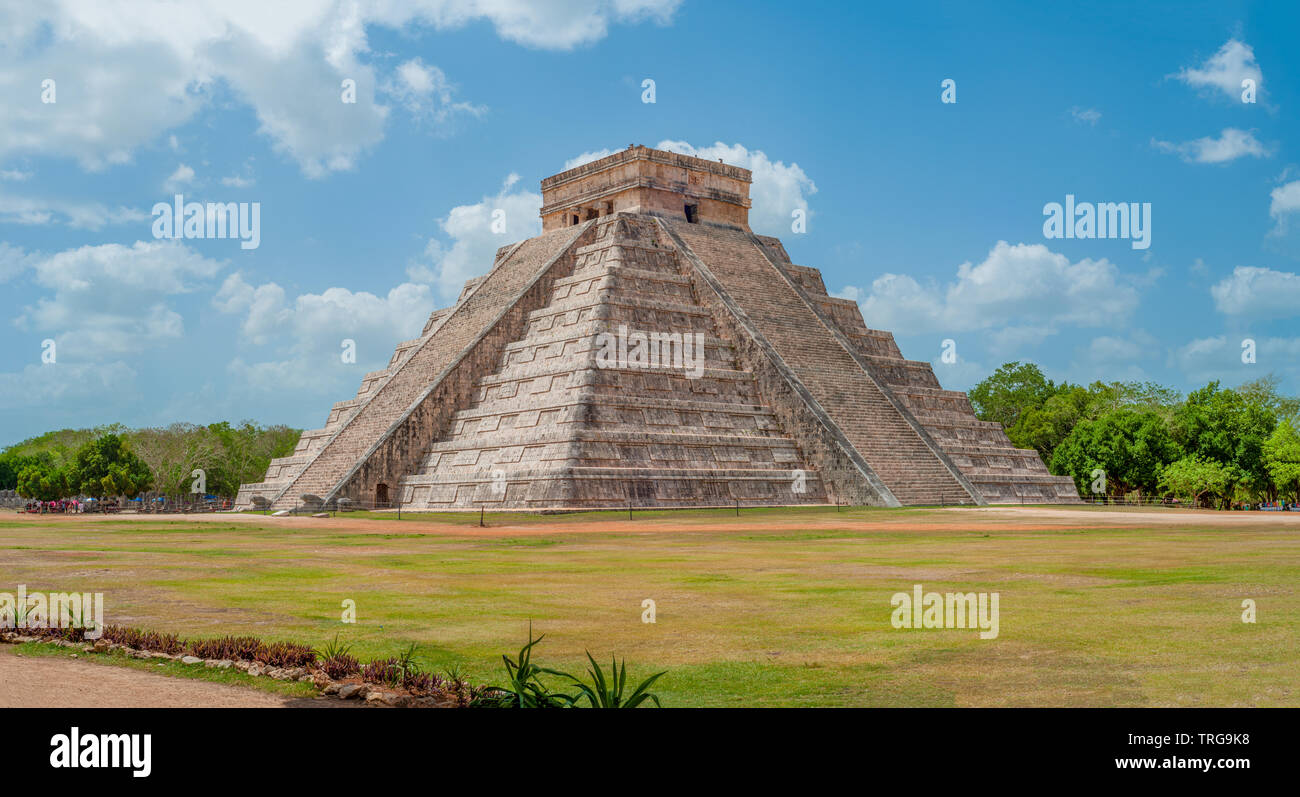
{"x": 509, "y": 400}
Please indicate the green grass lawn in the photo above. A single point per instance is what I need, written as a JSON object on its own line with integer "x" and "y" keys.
{"x": 747, "y": 614}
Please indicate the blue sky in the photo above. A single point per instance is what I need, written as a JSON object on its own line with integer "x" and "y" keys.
{"x": 372, "y": 213}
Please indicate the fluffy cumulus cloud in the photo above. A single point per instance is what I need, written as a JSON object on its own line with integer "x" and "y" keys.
{"x": 113, "y": 299}
{"x": 777, "y": 191}
{"x": 1285, "y": 203}
{"x": 424, "y": 91}
{"x": 474, "y": 233}
{"x": 124, "y": 72}
{"x": 1230, "y": 145}
{"x": 179, "y": 179}
{"x": 306, "y": 335}
{"x": 1224, "y": 71}
{"x": 1220, "y": 357}
{"x": 1018, "y": 294}
{"x": 1258, "y": 293}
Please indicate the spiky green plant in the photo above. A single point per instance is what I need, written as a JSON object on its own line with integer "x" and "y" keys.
{"x": 609, "y": 693}
{"x": 524, "y": 687}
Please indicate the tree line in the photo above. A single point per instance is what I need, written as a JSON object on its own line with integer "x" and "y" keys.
{"x": 114, "y": 460}
{"x": 1216, "y": 446}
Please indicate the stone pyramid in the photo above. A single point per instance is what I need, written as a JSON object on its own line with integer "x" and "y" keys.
{"x": 648, "y": 349}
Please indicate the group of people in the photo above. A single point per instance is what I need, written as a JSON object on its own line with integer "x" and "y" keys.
{"x": 69, "y": 506}
{"x": 1279, "y": 506}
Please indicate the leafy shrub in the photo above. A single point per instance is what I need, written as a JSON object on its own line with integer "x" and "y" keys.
{"x": 144, "y": 640}
{"x": 285, "y": 654}
{"x": 234, "y": 648}
{"x": 383, "y": 671}
{"x": 335, "y": 660}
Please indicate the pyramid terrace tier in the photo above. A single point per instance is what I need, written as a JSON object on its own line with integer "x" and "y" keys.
{"x": 560, "y": 488}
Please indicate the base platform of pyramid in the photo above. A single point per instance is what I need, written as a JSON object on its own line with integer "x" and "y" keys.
{"x": 649, "y": 350}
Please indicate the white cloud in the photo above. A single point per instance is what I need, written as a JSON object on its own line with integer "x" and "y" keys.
{"x": 1285, "y": 202}
{"x": 1225, "y": 70}
{"x": 125, "y": 75}
{"x": 62, "y": 384}
{"x": 1258, "y": 293}
{"x": 424, "y": 91}
{"x": 1230, "y": 145}
{"x": 112, "y": 298}
{"x": 473, "y": 243}
{"x": 1019, "y": 293}
{"x": 1088, "y": 116}
{"x": 14, "y": 175}
{"x": 180, "y": 178}
{"x": 14, "y": 261}
{"x": 306, "y": 334}
{"x": 78, "y": 215}
{"x": 1219, "y": 357}
{"x": 587, "y": 157}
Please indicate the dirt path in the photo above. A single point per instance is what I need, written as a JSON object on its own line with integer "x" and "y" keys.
{"x": 992, "y": 518}
{"x": 56, "y": 682}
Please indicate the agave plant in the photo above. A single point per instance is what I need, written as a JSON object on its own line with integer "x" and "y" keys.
{"x": 524, "y": 688}
{"x": 609, "y": 693}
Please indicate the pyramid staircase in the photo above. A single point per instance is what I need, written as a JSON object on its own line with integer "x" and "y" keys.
{"x": 556, "y": 427}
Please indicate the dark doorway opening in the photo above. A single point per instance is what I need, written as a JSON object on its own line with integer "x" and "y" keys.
{"x": 381, "y": 496}
{"x": 693, "y": 214}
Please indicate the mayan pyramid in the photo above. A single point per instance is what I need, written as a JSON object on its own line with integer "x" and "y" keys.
{"x": 510, "y": 398}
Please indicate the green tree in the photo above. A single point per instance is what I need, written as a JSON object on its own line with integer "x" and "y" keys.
{"x": 106, "y": 466}
{"x": 1282, "y": 459}
{"x": 1264, "y": 392}
{"x": 1014, "y": 389}
{"x": 1225, "y": 426}
{"x": 43, "y": 481}
{"x": 1129, "y": 446}
{"x": 1193, "y": 477}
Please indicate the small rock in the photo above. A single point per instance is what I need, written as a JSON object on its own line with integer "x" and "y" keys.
{"x": 349, "y": 691}
{"x": 243, "y": 665}
{"x": 74, "y": 655}
{"x": 303, "y": 679}
{"x": 254, "y": 669}
{"x": 224, "y": 664}
{"x": 102, "y": 645}
{"x": 330, "y": 689}
{"x": 191, "y": 660}
{"x": 378, "y": 698}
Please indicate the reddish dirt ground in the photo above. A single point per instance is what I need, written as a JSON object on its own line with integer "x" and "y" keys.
{"x": 56, "y": 682}
{"x": 956, "y": 519}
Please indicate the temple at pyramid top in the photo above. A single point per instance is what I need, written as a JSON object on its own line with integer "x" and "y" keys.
{"x": 649, "y": 349}
{"x": 648, "y": 181}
